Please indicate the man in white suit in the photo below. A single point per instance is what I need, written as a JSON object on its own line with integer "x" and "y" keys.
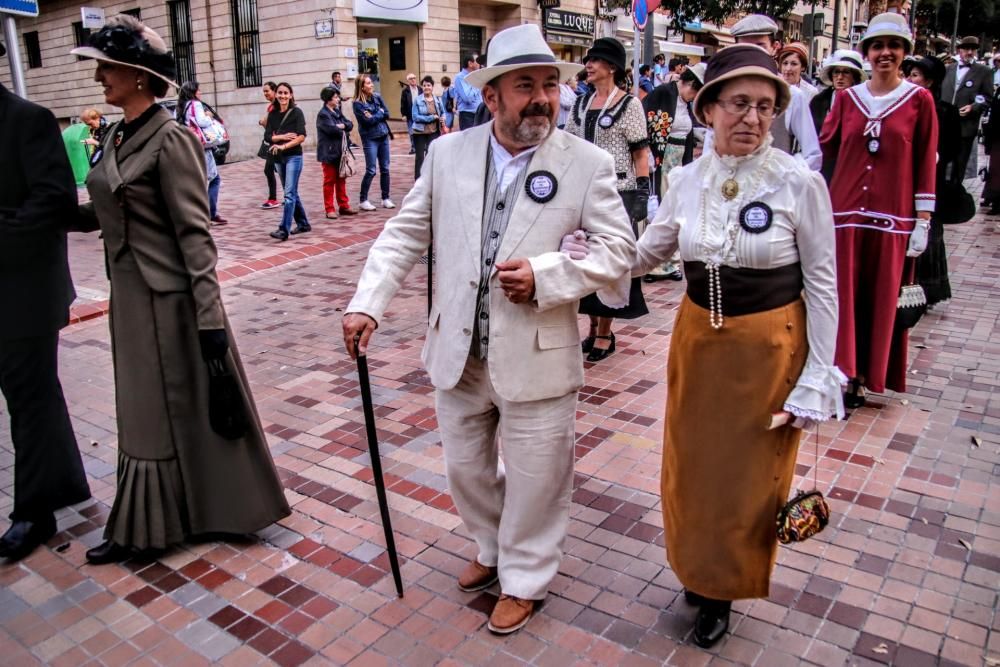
{"x": 502, "y": 346}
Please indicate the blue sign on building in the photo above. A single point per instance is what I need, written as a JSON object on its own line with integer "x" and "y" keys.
{"x": 19, "y": 7}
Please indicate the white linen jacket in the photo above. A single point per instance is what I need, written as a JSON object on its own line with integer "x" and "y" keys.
{"x": 534, "y": 350}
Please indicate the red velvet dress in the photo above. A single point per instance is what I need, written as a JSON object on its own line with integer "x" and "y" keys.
{"x": 875, "y": 197}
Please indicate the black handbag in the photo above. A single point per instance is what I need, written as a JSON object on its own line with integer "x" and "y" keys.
{"x": 264, "y": 152}
{"x": 226, "y": 411}
{"x": 954, "y": 204}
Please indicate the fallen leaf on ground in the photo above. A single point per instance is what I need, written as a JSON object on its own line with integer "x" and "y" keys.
{"x": 977, "y": 441}
{"x": 881, "y": 649}
{"x": 965, "y": 544}
{"x": 924, "y": 520}
{"x": 905, "y": 402}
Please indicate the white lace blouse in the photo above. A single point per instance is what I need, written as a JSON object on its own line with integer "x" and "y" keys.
{"x": 801, "y": 231}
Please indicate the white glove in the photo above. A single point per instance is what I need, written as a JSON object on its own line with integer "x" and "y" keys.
{"x": 918, "y": 238}
{"x": 575, "y": 245}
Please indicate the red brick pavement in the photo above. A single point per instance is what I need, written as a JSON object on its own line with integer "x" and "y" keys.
{"x": 906, "y": 574}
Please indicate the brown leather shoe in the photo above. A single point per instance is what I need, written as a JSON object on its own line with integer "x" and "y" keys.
{"x": 510, "y": 615}
{"x": 476, "y": 577}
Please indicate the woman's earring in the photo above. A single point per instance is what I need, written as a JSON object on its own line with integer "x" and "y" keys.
{"x": 138, "y": 84}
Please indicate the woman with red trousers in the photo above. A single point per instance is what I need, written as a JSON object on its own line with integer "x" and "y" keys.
{"x": 332, "y": 130}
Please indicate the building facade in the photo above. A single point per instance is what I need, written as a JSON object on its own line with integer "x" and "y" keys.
{"x": 231, "y": 47}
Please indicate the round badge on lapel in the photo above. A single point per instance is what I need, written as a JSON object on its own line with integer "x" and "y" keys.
{"x": 606, "y": 121}
{"x": 541, "y": 186}
{"x": 873, "y": 146}
{"x": 968, "y": 84}
{"x": 756, "y": 217}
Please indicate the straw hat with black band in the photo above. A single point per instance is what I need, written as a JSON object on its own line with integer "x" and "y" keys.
{"x": 737, "y": 61}
{"x": 517, "y": 48}
{"x": 843, "y": 59}
{"x": 124, "y": 40}
{"x": 888, "y": 25}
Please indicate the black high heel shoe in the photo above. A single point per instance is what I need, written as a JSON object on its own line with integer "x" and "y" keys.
{"x": 854, "y": 397}
{"x": 596, "y": 354}
{"x": 587, "y": 344}
{"x": 712, "y": 622}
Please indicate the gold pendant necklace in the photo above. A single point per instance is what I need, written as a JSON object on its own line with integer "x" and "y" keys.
{"x": 730, "y": 188}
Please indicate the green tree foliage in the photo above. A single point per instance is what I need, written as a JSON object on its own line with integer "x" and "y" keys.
{"x": 975, "y": 17}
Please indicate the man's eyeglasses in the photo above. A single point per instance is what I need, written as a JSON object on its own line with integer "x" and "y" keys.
{"x": 741, "y": 107}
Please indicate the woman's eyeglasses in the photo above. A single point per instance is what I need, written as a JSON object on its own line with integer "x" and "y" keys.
{"x": 841, "y": 72}
{"x": 741, "y": 107}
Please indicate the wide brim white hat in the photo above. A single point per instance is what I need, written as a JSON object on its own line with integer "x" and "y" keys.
{"x": 844, "y": 58}
{"x": 887, "y": 25}
{"x": 517, "y": 48}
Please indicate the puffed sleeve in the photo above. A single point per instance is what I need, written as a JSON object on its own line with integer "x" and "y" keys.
{"x": 817, "y": 395}
{"x": 659, "y": 241}
{"x": 634, "y": 125}
{"x": 186, "y": 202}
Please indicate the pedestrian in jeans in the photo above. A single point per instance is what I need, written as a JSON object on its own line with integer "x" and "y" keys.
{"x": 286, "y": 130}
{"x": 332, "y": 129}
{"x": 427, "y": 112}
{"x": 372, "y": 113}
{"x": 467, "y": 98}
{"x": 191, "y": 112}
{"x": 272, "y": 183}
{"x": 448, "y": 100}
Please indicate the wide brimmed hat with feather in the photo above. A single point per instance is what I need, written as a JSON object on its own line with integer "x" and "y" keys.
{"x": 124, "y": 40}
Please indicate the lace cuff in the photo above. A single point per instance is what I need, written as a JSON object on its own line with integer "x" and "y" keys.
{"x": 616, "y": 294}
{"x": 818, "y": 395}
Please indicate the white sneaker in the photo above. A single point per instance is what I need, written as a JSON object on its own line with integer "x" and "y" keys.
{"x": 387, "y": 203}
{"x": 366, "y": 206}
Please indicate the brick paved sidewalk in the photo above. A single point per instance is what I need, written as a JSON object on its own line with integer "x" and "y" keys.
{"x": 907, "y": 573}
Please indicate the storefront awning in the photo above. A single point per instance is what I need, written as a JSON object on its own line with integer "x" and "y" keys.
{"x": 682, "y": 49}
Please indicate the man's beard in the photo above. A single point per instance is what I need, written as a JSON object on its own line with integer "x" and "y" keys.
{"x": 533, "y": 127}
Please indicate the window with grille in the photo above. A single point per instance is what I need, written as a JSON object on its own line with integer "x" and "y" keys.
{"x": 80, "y": 36}
{"x": 246, "y": 43}
{"x": 180, "y": 30}
{"x": 33, "y": 50}
{"x": 470, "y": 39}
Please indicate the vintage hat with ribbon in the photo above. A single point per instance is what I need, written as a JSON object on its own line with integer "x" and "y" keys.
{"x": 932, "y": 68}
{"x": 843, "y": 59}
{"x": 970, "y": 42}
{"x": 753, "y": 25}
{"x": 734, "y": 62}
{"x": 124, "y": 40}
{"x": 516, "y": 48}
{"x": 608, "y": 49}
{"x": 887, "y": 25}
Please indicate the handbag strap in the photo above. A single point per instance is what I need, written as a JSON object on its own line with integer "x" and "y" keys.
{"x": 816, "y": 461}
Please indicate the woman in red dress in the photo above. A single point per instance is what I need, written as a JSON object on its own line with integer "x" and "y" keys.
{"x": 883, "y": 137}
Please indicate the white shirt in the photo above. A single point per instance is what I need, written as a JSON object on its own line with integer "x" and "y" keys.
{"x": 801, "y": 231}
{"x": 808, "y": 89}
{"x": 681, "y": 126}
{"x": 506, "y": 165}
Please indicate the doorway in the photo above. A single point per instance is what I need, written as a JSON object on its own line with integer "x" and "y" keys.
{"x": 387, "y": 52}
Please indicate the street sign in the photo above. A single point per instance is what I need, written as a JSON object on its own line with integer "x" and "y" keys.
{"x": 640, "y": 13}
{"x": 19, "y": 7}
{"x": 91, "y": 17}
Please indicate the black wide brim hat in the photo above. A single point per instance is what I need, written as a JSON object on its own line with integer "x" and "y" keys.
{"x": 929, "y": 66}
{"x": 610, "y": 50}
{"x": 122, "y": 45}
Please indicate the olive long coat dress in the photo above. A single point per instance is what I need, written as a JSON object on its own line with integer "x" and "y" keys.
{"x": 176, "y": 476}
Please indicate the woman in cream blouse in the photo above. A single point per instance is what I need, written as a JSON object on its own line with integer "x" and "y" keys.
{"x": 754, "y": 336}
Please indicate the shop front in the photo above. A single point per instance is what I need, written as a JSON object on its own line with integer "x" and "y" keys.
{"x": 569, "y": 34}
{"x": 388, "y": 35}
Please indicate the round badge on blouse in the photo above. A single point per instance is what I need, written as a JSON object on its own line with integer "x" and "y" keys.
{"x": 873, "y": 146}
{"x": 606, "y": 121}
{"x": 756, "y": 217}
{"x": 541, "y": 186}
{"x": 968, "y": 84}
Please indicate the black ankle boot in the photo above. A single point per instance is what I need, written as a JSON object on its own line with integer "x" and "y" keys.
{"x": 854, "y": 397}
{"x": 693, "y": 598}
{"x": 108, "y": 552}
{"x": 712, "y": 622}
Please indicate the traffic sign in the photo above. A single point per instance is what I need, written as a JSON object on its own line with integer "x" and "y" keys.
{"x": 19, "y": 7}
{"x": 640, "y": 13}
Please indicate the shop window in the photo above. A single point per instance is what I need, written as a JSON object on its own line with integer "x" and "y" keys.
{"x": 33, "y": 50}
{"x": 183, "y": 42}
{"x": 246, "y": 43}
{"x": 470, "y": 38}
{"x": 80, "y": 36}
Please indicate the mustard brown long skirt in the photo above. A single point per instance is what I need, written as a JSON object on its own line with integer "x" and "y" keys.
{"x": 724, "y": 475}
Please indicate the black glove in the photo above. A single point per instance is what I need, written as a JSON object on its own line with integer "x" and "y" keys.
{"x": 640, "y": 202}
{"x": 214, "y": 343}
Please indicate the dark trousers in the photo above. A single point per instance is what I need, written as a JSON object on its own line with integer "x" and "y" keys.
{"x": 272, "y": 184}
{"x": 422, "y": 144}
{"x": 48, "y": 470}
{"x": 958, "y": 167}
{"x": 466, "y": 119}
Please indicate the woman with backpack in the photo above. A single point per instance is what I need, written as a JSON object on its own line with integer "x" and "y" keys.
{"x": 191, "y": 113}
{"x": 332, "y": 132}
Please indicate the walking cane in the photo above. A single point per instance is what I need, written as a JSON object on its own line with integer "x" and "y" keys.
{"x": 383, "y": 503}
{"x": 430, "y": 274}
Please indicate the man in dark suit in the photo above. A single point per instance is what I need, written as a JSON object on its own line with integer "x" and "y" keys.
{"x": 37, "y": 201}
{"x": 411, "y": 91}
{"x": 969, "y": 86}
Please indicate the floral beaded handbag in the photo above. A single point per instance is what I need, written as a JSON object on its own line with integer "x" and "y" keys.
{"x": 807, "y": 513}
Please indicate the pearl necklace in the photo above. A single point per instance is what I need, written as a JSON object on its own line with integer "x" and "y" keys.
{"x": 715, "y": 317}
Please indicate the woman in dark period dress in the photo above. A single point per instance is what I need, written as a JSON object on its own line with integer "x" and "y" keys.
{"x": 932, "y": 265}
{"x": 613, "y": 120}
{"x": 178, "y": 477}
